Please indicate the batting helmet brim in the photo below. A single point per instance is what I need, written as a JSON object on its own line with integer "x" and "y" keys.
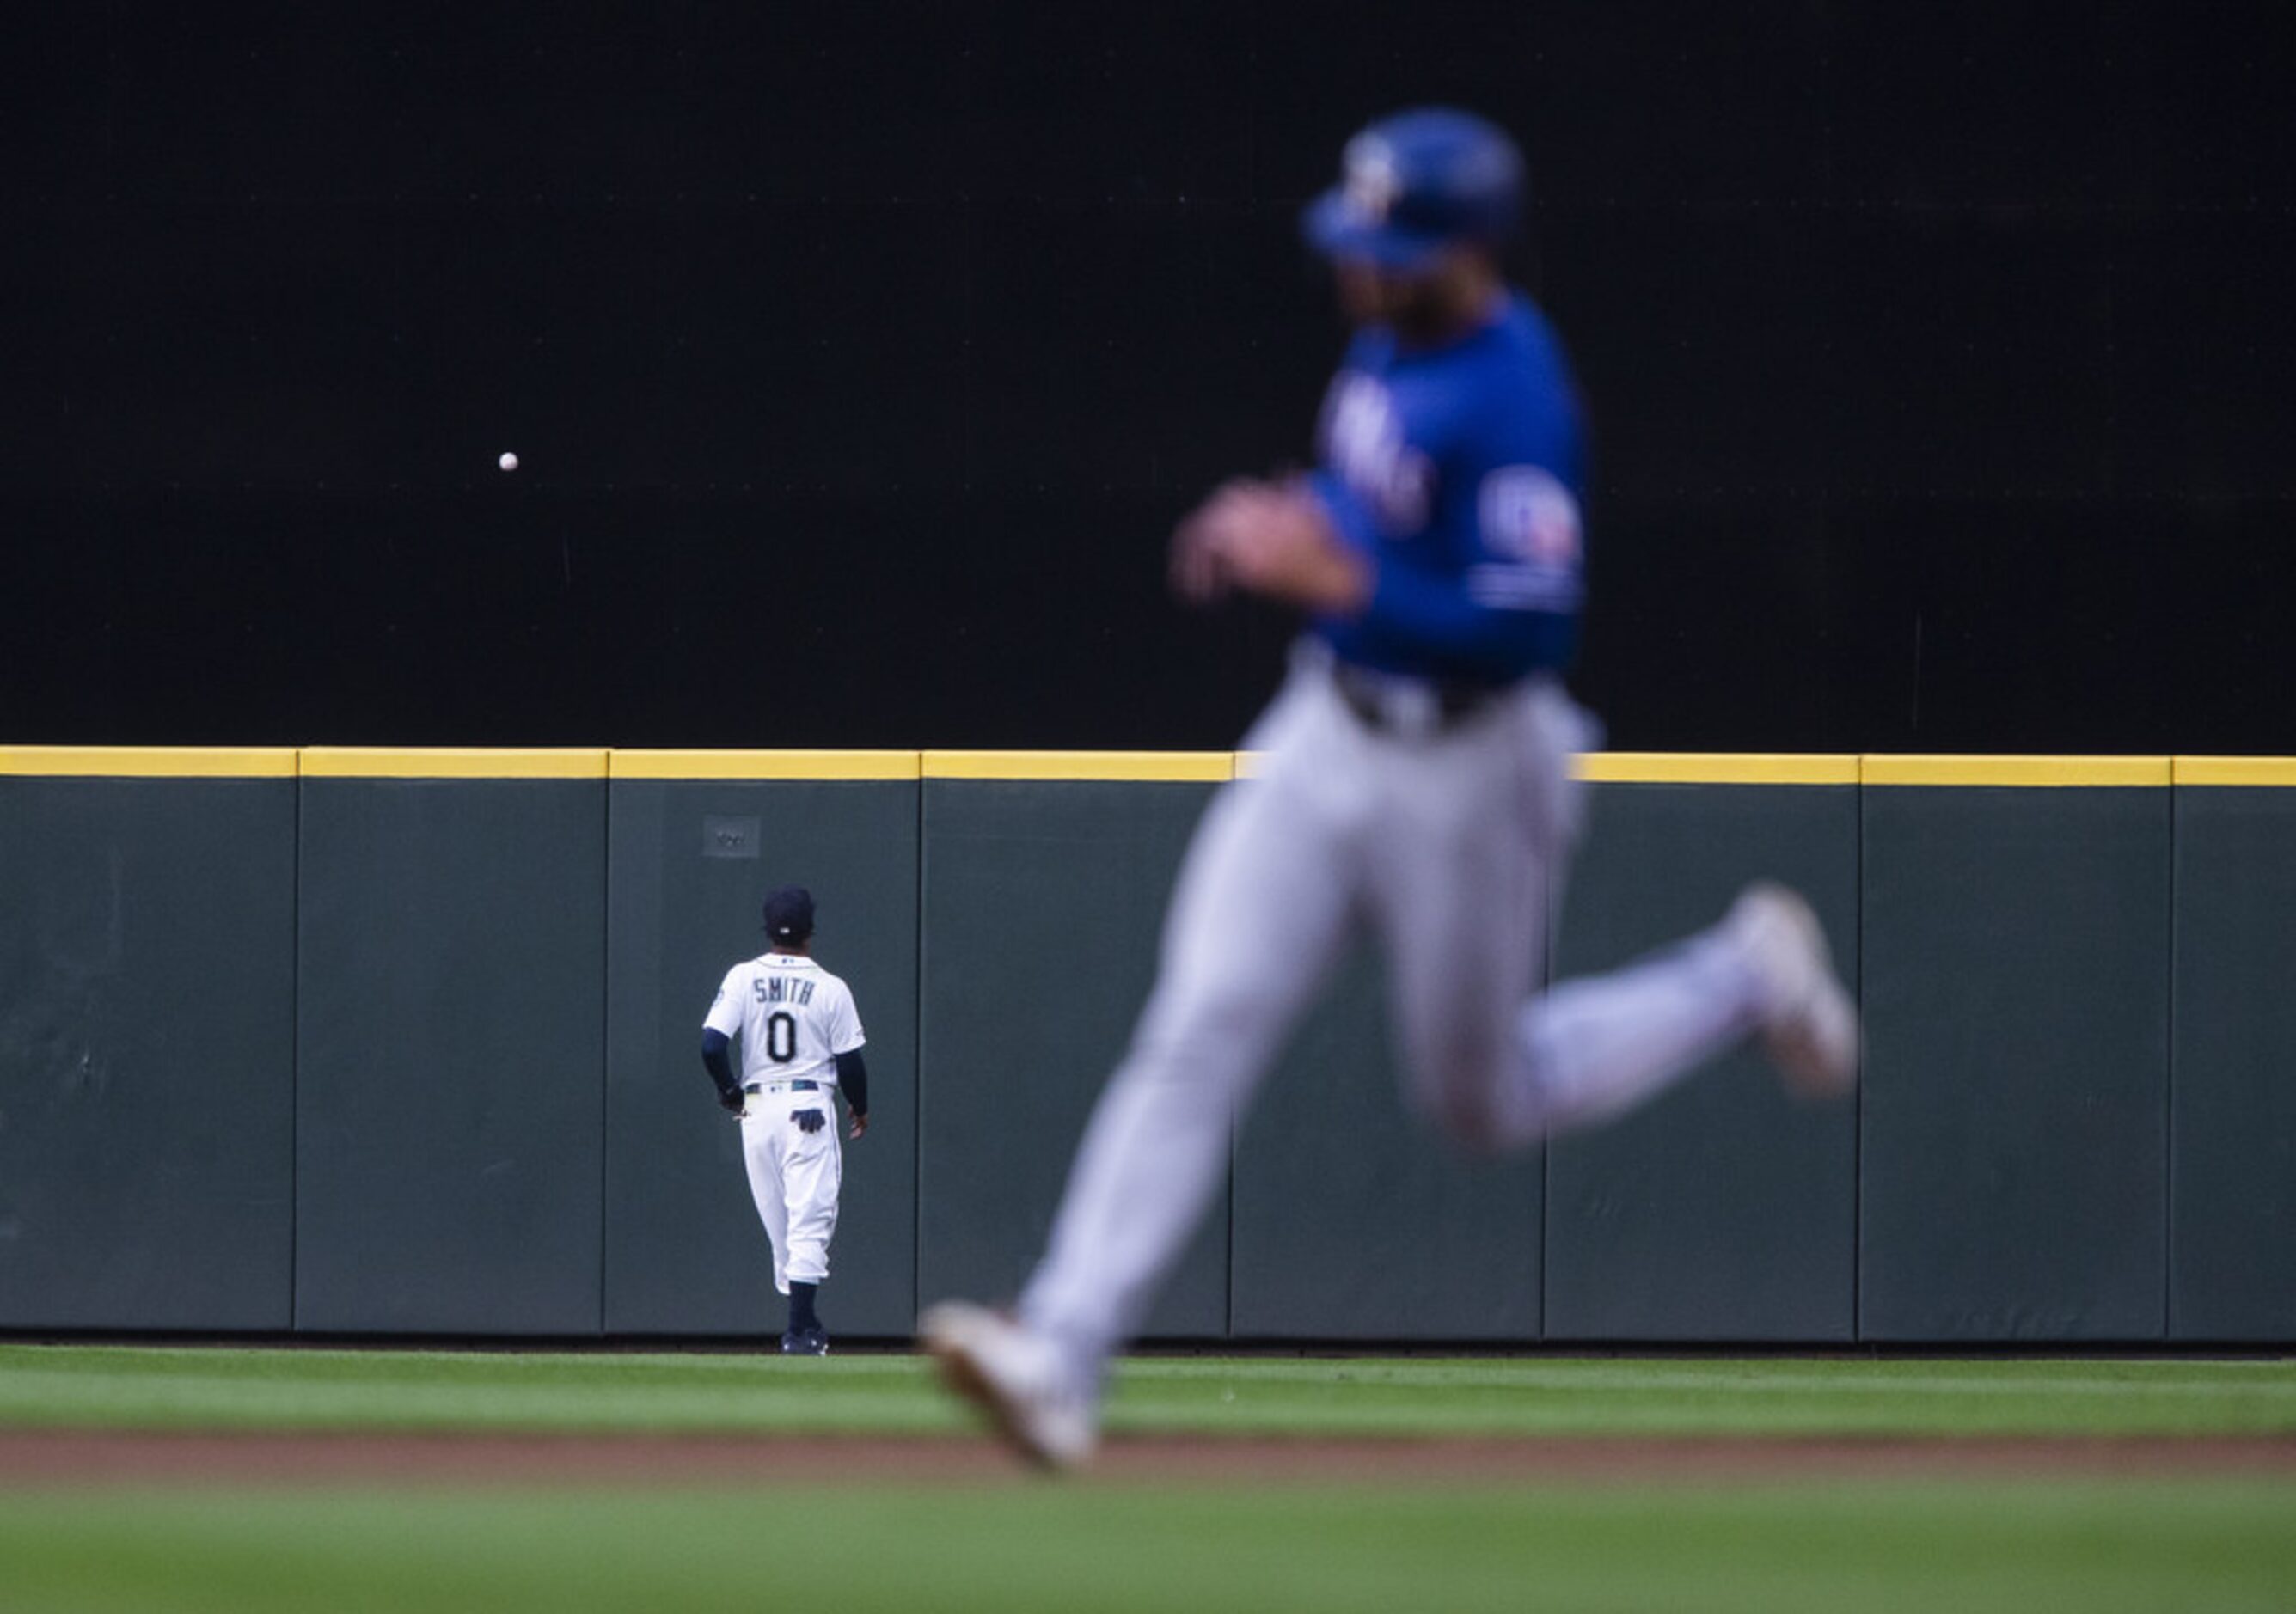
{"x": 1337, "y": 229}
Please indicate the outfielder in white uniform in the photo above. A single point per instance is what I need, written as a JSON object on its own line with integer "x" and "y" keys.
{"x": 801, "y": 1040}
{"x": 1415, "y": 782}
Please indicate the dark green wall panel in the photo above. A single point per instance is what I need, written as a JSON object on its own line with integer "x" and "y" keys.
{"x": 451, "y": 1043}
{"x": 2013, "y": 1154}
{"x": 1043, "y": 904}
{"x": 1723, "y": 1210}
{"x": 1356, "y": 1219}
{"x": 420, "y": 1056}
{"x": 691, "y": 859}
{"x": 147, "y": 1016}
{"x": 2232, "y": 1256}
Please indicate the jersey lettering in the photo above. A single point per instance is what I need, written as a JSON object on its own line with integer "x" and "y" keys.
{"x": 1363, "y": 442}
{"x": 791, "y": 1018}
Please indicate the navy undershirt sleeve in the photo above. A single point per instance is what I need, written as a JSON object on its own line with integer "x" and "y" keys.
{"x": 714, "y": 1043}
{"x": 853, "y": 1080}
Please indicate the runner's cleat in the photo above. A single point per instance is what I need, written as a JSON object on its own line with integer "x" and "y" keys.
{"x": 1017, "y": 1378}
{"x": 1809, "y": 1024}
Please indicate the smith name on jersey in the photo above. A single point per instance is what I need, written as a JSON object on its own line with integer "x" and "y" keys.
{"x": 793, "y": 1018}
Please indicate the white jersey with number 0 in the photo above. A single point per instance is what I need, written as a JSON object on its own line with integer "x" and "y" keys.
{"x": 793, "y": 1018}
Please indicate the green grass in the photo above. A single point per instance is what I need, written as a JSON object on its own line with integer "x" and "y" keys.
{"x": 2217, "y": 1545}
{"x": 1784, "y": 1546}
{"x": 115, "y": 1387}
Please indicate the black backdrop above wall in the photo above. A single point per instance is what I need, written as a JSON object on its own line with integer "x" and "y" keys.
{"x": 860, "y": 357}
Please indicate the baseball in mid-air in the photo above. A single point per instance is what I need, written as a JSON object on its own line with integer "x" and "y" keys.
{"x": 509, "y": 461}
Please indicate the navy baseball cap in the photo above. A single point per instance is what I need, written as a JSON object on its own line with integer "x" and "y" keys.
{"x": 789, "y": 913}
{"x": 1416, "y": 182}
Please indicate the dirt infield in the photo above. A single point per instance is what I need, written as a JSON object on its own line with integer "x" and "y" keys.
{"x": 41, "y": 1460}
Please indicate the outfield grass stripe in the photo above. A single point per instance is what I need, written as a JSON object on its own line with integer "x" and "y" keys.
{"x": 1974, "y": 1547}
{"x": 1756, "y": 1373}
{"x": 143, "y": 1387}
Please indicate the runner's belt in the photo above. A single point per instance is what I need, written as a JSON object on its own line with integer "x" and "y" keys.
{"x": 1409, "y": 706}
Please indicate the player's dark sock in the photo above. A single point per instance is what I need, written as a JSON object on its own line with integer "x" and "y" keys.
{"x": 801, "y": 1316}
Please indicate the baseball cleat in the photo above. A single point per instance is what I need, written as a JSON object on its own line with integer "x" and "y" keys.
{"x": 804, "y": 1342}
{"x": 1809, "y": 1024}
{"x": 1019, "y": 1378}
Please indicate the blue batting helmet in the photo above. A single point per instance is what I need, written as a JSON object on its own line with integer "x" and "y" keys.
{"x": 1416, "y": 182}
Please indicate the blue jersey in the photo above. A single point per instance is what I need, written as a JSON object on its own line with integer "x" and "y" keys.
{"x": 1456, "y": 470}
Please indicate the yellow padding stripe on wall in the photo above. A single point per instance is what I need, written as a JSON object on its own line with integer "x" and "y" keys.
{"x": 1080, "y": 765}
{"x": 766, "y": 765}
{"x": 2236, "y": 770}
{"x": 1716, "y": 767}
{"x": 385, "y": 762}
{"x": 148, "y": 762}
{"x": 2027, "y": 771}
{"x": 1687, "y": 767}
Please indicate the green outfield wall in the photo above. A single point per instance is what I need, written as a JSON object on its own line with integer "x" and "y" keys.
{"x": 1043, "y": 885}
{"x": 1722, "y": 1210}
{"x": 390, "y": 1041}
{"x": 2014, "y": 1120}
{"x": 147, "y": 1039}
{"x": 2232, "y": 1052}
{"x": 450, "y": 964}
{"x": 695, "y": 840}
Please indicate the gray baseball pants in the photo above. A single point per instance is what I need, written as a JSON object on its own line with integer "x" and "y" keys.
{"x": 1449, "y": 848}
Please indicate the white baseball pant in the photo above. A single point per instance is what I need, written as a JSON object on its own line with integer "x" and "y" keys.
{"x": 1450, "y": 849}
{"x": 794, "y": 1176}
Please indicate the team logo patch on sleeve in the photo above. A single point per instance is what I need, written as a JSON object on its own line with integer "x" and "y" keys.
{"x": 1530, "y": 521}
{"x": 1528, "y": 515}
